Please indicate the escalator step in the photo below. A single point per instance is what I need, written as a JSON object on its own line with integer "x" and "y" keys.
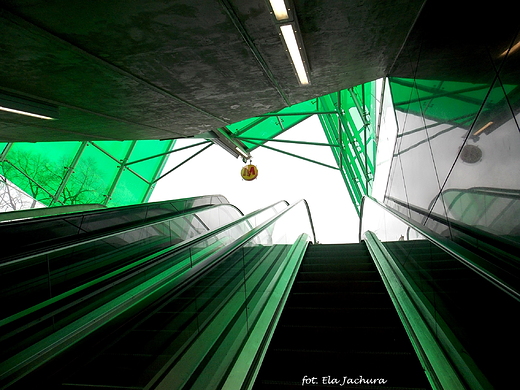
{"x": 340, "y": 322}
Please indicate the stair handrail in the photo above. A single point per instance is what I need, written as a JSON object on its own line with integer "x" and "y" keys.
{"x": 165, "y": 252}
{"x": 45, "y": 350}
{"x": 460, "y": 253}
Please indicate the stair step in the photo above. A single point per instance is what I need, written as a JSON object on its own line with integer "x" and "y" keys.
{"x": 341, "y": 298}
{"x": 370, "y": 338}
{"x": 318, "y": 316}
{"x": 355, "y": 286}
{"x": 340, "y": 322}
{"x": 398, "y": 369}
{"x": 337, "y": 276}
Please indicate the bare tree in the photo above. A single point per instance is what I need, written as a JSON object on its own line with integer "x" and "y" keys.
{"x": 47, "y": 181}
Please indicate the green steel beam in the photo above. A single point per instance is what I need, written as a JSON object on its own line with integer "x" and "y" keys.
{"x": 355, "y": 152}
{"x": 283, "y": 129}
{"x": 165, "y": 153}
{"x": 160, "y": 168}
{"x": 105, "y": 152}
{"x": 249, "y": 126}
{"x": 119, "y": 162}
{"x": 307, "y": 113}
{"x": 287, "y": 141}
{"x": 360, "y": 109}
{"x": 30, "y": 179}
{"x": 7, "y": 147}
{"x": 70, "y": 171}
{"x": 381, "y": 106}
{"x": 294, "y": 155}
{"x": 119, "y": 173}
{"x": 354, "y": 139}
{"x": 139, "y": 176}
{"x": 349, "y": 178}
{"x": 182, "y": 163}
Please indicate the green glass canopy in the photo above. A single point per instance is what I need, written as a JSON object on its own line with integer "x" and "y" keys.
{"x": 111, "y": 173}
{"x": 346, "y": 118}
{"x": 115, "y": 173}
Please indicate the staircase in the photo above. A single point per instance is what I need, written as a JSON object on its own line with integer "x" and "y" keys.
{"x": 339, "y": 329}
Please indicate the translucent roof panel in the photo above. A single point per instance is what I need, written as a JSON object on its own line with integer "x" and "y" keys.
{"x": 112, "y": 173}
{"x": 257, "y": 130}
{"x": 346, "y": 117}
{"x": 452, "y": 102}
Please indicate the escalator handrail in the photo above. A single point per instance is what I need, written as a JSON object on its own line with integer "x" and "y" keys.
{"x": 95, "y": 237}
{"x": 113, "y": 211}
{"x": 458, "y": 252}
{"x": 238, "y": 243}
{"x": 165, "y": 252}
{"x": 446, "y": 368}
{"x": 109, "y": 209}
{"x": 44, "y": 350}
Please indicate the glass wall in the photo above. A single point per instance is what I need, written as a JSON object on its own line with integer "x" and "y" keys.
{"x": 112, "y": 173}
{"x": 455, "y": 162}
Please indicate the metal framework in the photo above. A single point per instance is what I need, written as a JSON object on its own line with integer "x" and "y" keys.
{"x": 111, "y": 173}
{"x": 117, "y": 173}
{"x": 346, "y": 118}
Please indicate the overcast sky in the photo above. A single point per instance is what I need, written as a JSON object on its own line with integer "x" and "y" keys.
{"x": 280, "y": 177}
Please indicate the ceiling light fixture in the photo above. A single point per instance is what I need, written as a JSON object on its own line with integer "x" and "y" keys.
{"x": 294, "y": 52}
{"x": 28, "y": 107}
{"x": 287, "y": 25}
{"x": 279, "y": 9}
{"x": 483, "y": 128}
{"x": 511, "y": 50}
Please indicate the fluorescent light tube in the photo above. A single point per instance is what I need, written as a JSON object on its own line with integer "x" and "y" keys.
{"x": 481, "y": 130}
{"x": 24, "y": 106}
{"x": 294, "y": 52}
{"x": 279, "y": 9}
{"x": 2, "y": 108}
{"x": 245, "y": 155}
{"x": 511, "y": 50}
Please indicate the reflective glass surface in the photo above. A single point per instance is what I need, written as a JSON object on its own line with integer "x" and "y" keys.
{"x": 471, "y": 316}
{"x": 455, "y": 158}
{"x": 112, "y": 173}
{"x": 29, "y": 280}
{"x": 22, "y": 237}
{"x": 225, "y": 300}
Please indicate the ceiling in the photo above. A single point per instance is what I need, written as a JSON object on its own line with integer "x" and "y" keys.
{"x": 163, "y": 69}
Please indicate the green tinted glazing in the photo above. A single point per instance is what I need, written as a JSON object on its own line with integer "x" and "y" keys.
{"x": 352, "y": 129}
{"x": 146, "y": 168}
{"x": 273, "y": 124}
{"x": 444, "y": 101}
{"x": 66, "y": 173}
{"x": 346, "y": 120}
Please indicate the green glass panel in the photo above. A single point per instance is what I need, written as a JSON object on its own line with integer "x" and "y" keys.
{"x": 443, "y": 101}
{"x": 130, "y": 190}
{"x": 56, "y": 173}
{"x": 143, "y": 149}
{"x": 352, "y": 128}
{"x": 91, "y": 178}
{"x": 273, "y": 124}
{"x": 117, "y": 149}
{"x": 39, "y": 169}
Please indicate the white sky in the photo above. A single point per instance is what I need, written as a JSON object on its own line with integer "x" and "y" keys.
{"x": 280, "y": 177}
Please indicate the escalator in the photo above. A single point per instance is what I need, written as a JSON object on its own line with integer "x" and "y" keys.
{"x": 158, "y": 293}
{"x": 339, "y": 328}
{"x": 206, "y": 298}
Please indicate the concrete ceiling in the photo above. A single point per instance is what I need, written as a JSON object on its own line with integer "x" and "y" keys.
{"x": 162, "y": 69}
